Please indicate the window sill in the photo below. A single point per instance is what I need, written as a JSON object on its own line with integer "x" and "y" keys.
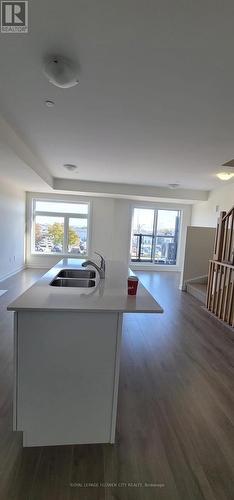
{"x": 62, "y": 255}
{"x": 143, "y": 266}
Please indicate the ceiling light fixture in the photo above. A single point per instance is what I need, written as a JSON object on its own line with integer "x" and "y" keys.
{"x": 225, "y": 176}
{"x": 70, "y": 167}
{"x": 229, "y": 163}
{"x": 61, "y": 71}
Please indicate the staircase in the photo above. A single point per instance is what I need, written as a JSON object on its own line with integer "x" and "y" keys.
{"x": 220, "y": 290}
{"x": 216, "y": 291}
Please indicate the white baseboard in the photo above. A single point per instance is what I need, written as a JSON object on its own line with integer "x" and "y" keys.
{"x": 4, "y": 277}
{"x": 36, "y": 266}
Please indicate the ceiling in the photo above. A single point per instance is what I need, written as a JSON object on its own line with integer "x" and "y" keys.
{"x": 15, "y": 172}
{"x": 155, "y": 101}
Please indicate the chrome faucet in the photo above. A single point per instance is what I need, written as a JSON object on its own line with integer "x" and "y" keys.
{"x": 100, "y": 269}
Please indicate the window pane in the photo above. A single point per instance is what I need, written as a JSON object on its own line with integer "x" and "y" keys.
{"x": 61, "y": 207}
{"x": 143, "y": 220}
{"x": 165, "y": 250}
{"x": 166, "y": 242}
{"x": 141, "y": 248}
{"x": 77, "y": 237}
{"x": 142, "y": 234}
{"x": 134, "y": 247}
{"x": 49, "y": 234}
{"x": 166, "y": 223}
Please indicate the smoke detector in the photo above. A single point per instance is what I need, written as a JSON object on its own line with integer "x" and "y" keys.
{"x": 70, "y": 167}
{"x": 61, "y": 71}
{"x": 173, "y": 186}
{"x": 49, "y": 103}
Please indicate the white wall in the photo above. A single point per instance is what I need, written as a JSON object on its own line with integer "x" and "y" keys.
{"x": 198, "y": 250}
{"x": 12, "y": 226}
{"x": 205, "y": 214}
{"x": 110, "y": 228}
{"x": 122, "y": 230}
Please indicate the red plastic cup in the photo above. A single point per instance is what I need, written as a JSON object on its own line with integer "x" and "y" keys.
{"x": 132, "y": 285}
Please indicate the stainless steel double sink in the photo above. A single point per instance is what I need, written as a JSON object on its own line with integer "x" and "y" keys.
{"x": 75, "y": 278}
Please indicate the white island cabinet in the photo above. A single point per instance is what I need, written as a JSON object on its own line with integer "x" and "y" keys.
{"x": 67, "y": 354}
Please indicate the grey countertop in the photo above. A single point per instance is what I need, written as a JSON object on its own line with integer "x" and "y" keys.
{"x": 110, "y": 294}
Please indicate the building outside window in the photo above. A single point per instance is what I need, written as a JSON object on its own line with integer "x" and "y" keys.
{"x": 155, "y": 235}
{"x": 60, "y": 228}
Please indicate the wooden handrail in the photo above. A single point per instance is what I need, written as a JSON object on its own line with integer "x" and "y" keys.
{"x": 228, "y": 214}
{"x": 225, "y": 264}
{"x": 224, "y": 238}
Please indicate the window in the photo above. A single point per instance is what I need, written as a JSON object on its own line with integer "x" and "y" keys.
{"x": 60, "y": 228}
{"x": 155, "y": 234}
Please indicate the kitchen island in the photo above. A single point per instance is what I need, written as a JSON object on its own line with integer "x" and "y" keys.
{"x": 67, "y": 342}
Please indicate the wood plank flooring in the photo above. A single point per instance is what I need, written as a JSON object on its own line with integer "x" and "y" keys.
{"x": 175, "y": 432}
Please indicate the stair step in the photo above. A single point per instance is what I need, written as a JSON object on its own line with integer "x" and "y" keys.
{"x": 197, "y": 290}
